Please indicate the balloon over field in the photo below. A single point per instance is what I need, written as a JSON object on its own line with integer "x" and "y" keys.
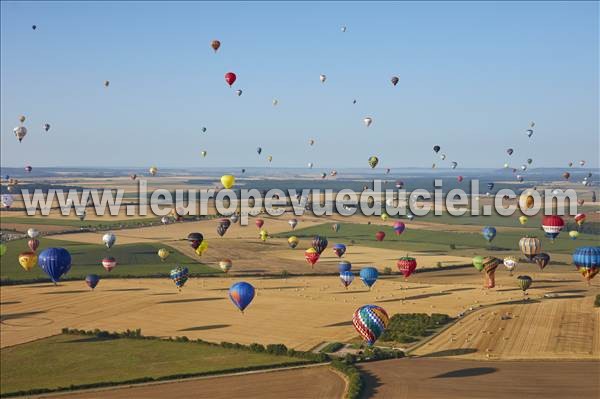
{"x": 490, "y": 264}
{"x": 335, "y": 227}
{"x": 530, "y": 247}
{"x": 541, "y": 260}
{"x": 241, "y": 294}
{"x": 163, "y": 254}
{"x": 55, "y": 262}
{"x": 580, "y": 218}
{"x": 339, "y": 249}
{"x": 478, "y": 262}
{"x": 489, "y": 233}
{"x": 587, "y": 261}
{"x": 344, "y": 266}
{"x": 319, "y": 244}
{"x": 109, "y": 263}
{"x": 153, "y": 170}
{"x": 523, "y": 219}
{"x": 369, "y": 276}
{"x": 201, "y": 248}
{"x": 524, "y": 282}
{"x": 33, "y": 233}
{"x": 406, "y": 265}
{"x": 179, "y": 275}
{"x": 293, "y": 223}
{"x": 28, "y": 260}
{"x": 573, "y": 234}
{"x": 3, "y": 249}
{"x": 346, "y": 277}
{"x": 225, "y": 265}
{"x": 380, "y": 235}
{"x": 293, "y": 241}
{"x": 259, "y": 223}
{"x": 510, "y": 262}
{"x": 92, "y": 280}
{"x": 227, "y": 181}
{"x": 311, "y": 256}
{"x": 370, "y": 322}
{"x": 399, "y": 228}
{"x": 33, "y": 244}
{"x": 552, "y": 225}
{"x": 195, "y": 239}
{"x": 109, "y": 239}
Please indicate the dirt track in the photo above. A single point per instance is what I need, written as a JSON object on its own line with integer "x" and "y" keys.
{"x": 312, "y": 382}
{"x": 465, "y": 379}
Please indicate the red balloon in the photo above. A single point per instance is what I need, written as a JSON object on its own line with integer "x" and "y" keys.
{"x": 379, "y": 236}
{"x": 259, "y": 223}
{"x": 33, "y": 244}
{"x": 459, "y": 178}
{"x": 407, "y": 266}
{"x": 230, "y": 78}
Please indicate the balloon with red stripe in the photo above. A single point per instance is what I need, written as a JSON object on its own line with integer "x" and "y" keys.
{"x": 370, "y": 321}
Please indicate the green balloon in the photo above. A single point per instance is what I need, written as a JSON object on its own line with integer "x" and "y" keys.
{"x": 3, "y": 249}
{"x": 478, "y": 263}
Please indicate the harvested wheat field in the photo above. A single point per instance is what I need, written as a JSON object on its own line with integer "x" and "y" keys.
{"x": 308, "y": 382}
{"x": 462, "y": 379}
{"x": 564, "y": 327}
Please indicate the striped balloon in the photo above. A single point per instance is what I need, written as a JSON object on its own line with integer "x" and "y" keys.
{"x": 490, "y": 264}
{"x": 241, "y": 294}
{"x": 510, "y": 262}
{"x": 370, "y": 321}
{"x": 524, "y": 282}
{"x": 542, "y": 260}
{"x": 109, "y": 263}
{"x": 530, "y": 247}
{"x": 347, "y": 277}
{"x": 552, "y": 226}
{"x": 369, "y": 275}
{"x": 180, "y": 275}
{"x": 587, "y": 261}
{"x": 344, "y": 266}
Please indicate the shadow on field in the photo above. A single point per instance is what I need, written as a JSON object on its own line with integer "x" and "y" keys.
{"x": 13, "y": 316}
{"x": 203, "y": 328}
{"x": 40, "y": 286}
{"x": 65, "y": 292}
{"x": 459, "y": 289}
{"x": 566, "y": 296}
{"x": 422, "y": 296}
{"x": 192, "y": 300}
{"x": 9, "y": 303}
{"x": 340, "y": 324}
{"x": 470, "y": 372}
{"x": 508, "y": 289}
{"x": 567, "y": 291}
{"x": 127, "y": 289}
{"x": 251, "y": 271}
{"x": 557, "y": 281}
{"x": 165, "y": 293}
{"x": 371, "y": 383}
{"x": 87, "y": 340}
{"x": 446, "y": 273}
{"x": 524, "y": 301}
{"x": 451, "y": 352}
{"x": 289, "y": 287}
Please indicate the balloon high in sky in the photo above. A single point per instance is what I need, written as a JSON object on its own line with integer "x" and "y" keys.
{"x": 437, "y": 99}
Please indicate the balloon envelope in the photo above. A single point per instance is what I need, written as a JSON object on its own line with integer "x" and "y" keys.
{"x": 55, "y": 262}
{"x": 370, "y": 322}
{"x": 92, "y": 280}
{"x": 241, "y": 294}
{"x": 369, "y": 276}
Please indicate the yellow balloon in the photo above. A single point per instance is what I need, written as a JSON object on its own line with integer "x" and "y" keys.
{"x": 153, "y": 170}
{"x": 264, "y": 234}
{"x": 28, "y": 260}
{"x": 573, "y": 234}
{"x": 204, "y": 153}
{"x": 384, "y": 216}
{"x": 523, "y": 219}
{"x": 293, "y": 241}
{"x": 227, "y": 181}
{"x": 163, "y": 254}
{"x": 202, "y": 248}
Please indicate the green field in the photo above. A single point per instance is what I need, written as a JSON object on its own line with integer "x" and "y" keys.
{"x": 68, "y": 222}
{"x": 65, "y": 360}
{"x": 438, "y": 242}
{"x": 134, "y": 260}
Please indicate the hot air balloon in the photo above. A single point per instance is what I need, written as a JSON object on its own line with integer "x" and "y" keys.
{"x": 227, "y": 181}
{"x": 460, "y": 179}
{"x": 478, "y": 263}
{"x": 370, "y": 321}
{"x": 573, "y": 234}
{"x": 510, "y": 262}
{"x": 443, "y": 157}
{"x": 490, "y": 264}
{"x": 28, "y": 260}
{"x": 524, "y": 283}
{"x": 275, "y": 102}
{"x": 106, "y": 83}
{"x": 46, "y": 126}
{"x": 410, "y": 216}
{"x": 529, "y": 132}
{"x": 367, "y": 121}
{"x": 28, "y": 169}
{"x": 33, "y": 233}
{"x": 454, "y": 164}
{"x": 489, "y": 233}
{"x": 344, "y": 266}
{"x": 509, "y": 151}
{"x": 373, "y": 161}
{"x": 3, "y": 249}
{"x": 55, "y": 262}
{"x": 293, "y": 223}
{"x": 238, "y": 92}
{"x": 580, "y": 218}
{"x": 163, "y": 254}
{"x": 523, "y": 219}
{"x": 530, "y": 247}
{"x": 380, "y": 235}
{"x": 20, "y": 132}
{"x": 339, "y": 249}
{"x": 399, "y": 227}
{"x": 109, "y": 263}
{"x": 133, "y": 176}
{"x": 582, "y": 163}
{"x": 221, "y": 230}
{"x": 33, "y": 244}
{"x": 201, "y": 248}
{"x": 346, "y": 277}
{"x": 319, "y": 243}
{"x": 179, "y": 275}
{"x": 399, "y": 184}
{"x": 22, "y": 118}
{"x": 241, "y": 294}
{"x": 264, "y": 234}
{"x": 335, "y": 227}
{"x": 203, "y": 129}
{"x": 215, "y": 44}
{"x": 395, "y": 80}
{"x": 587, "y": 261}
{"x": 109, "y": 239}
{"x": 436, "y": 148}
{"x": 384, "y": 216}
{"x": 322, "y": 78}
{"x": 406, "y": 265}
{"x": 203, "y": 153}
{"x": 369, "y": 276}
{"x": 195, "y": 239}
{"x": 490, "y": 186}
{"x": 165, "y": 220}
{"x": 312, "y": 256}
{"x": 7, "y": 200}
{"x": 230, "y": 78}
{"x": 541, "y": 260}
{"x": 225, "y": 265}
{"x": 92, "y": 280}
{"x": 552, "y": 225}
{"x": 258, "y": 150}
{"x": 566, "y": 175}
{"x": 153, "y": 170}
{"x": 293, "y": 241}
{"x": 270, "y": 158}
{"x": 259, "y": 223}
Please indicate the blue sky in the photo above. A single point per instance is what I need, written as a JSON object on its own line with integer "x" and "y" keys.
{"x": 472, "y": 76}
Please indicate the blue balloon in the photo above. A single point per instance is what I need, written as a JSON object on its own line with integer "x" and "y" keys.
{"x": 347, "y": 278}
{"x": 55, "y": 262}
{"x": 587, "y": 257}
{"x": 490, "y": 186}
{"x": 489, "y": 233}
{"x": 369, "y": 275}
{"x": 92, "y": 280}
{"x": 339, "y": 249}
{"x": 344, "y": 266}
{"x": 241, "y": 294}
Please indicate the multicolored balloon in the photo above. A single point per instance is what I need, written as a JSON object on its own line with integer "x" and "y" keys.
{"x": 339, "y": 249}
{"x": 293, "y": 242}
{"x": 369, "y": 276}
{"x": 293, "y": 223}
{"x": 510, "y": 262}
{"x": 530, "y": 247}
{"x": 489, "y": 232}
{"x": 346, "y": 277}
{"x": 311, "y": 256}
{"x": 373, "y": 161}
{"x": 241, "y": 294}
{"x": 541, "y": 260}
{"x": 574, "y": 234}
{"x": 552, "y": 225}
{"x": 28, "y": 260}
{"x": 490, "y": 264}
{"x": 225, "y": 265}
{"x": 92, "y": 280}
{"x": 399, "y": 227}
{"x": 319, "y": 243}
{"x": 109, "y": 263}
{"x": 55, "y": 262}
{"x": 33, "y": 244}
{"x": 180, "y": 275}
{"x": 370, "y": 322}
{"x": 406, "y": 265}
{"x": 587, "y": 261}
